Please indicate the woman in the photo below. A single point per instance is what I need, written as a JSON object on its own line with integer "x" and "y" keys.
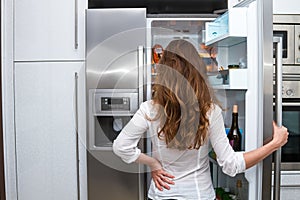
{"x": 182, "y": 118}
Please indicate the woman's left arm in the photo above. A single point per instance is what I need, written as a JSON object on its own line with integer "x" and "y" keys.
{"x": 280, "y": 137}
{"x": 125, "y": 146}
{"x": 161, "y": 178}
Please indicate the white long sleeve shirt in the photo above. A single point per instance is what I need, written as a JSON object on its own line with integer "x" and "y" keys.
{"x": 190, "y": 167}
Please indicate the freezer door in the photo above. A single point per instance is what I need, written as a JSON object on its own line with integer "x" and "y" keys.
{"x": 116, "y": 40}
{"x": 113, "y": 40}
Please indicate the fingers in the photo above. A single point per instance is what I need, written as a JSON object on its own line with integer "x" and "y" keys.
{"x": 167, "y": 174}
{"x": 167, "y": 180}
{"x": 280, "y": 135}
{"x": 158, "y": 185}
{"x": 161, "y": 183}
{"x": 162, "y": 179}
{"x": 281, "y": 129}
{"x": 274, "y": 124}
{"x": 284, "y": 130}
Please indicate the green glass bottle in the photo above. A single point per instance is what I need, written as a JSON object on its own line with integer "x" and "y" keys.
{"x": 234, "y": 134}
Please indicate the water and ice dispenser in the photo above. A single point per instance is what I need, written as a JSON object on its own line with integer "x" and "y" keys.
{"x": 110, "y": 110}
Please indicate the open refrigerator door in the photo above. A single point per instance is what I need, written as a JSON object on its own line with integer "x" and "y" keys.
{"x": 247, "y": 58}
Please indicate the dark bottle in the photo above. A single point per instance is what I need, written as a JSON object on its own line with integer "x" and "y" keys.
{"x": 234, "y": 135}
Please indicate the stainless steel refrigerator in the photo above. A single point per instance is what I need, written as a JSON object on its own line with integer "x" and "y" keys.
{"x": 119, "y": 73}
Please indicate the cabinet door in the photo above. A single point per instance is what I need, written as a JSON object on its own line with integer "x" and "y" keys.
{"x": 49, "y": 30}
{"x": 45, "y": 106}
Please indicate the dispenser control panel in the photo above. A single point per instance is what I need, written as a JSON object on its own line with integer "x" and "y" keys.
{"x": 115, "y": 103}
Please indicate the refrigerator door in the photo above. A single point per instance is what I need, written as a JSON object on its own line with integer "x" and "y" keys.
{"x": 258, "y": 94}
{"x": 259, "y": 97}
{"x": 115, "y": 61}
{"x": 265, "y": 16}
{"x": 278, "y": 113}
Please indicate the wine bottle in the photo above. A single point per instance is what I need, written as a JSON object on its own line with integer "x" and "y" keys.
{"x": 234, "y": 135}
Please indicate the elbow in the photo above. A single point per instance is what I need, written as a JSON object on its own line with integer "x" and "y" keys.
{"x": 228, "y": 168}
{"x": 119, "y": 151}
{"x": 127, "y": 154}
{"x": 234, "y": 165}
{"x": 116, "y": 148}
{"x": 231, "y": 172}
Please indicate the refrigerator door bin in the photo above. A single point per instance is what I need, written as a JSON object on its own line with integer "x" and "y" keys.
{"x": 228, "y": 29}
{"x": 235, "y": 79}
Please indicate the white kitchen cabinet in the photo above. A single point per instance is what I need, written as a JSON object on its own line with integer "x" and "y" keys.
{"x": 49, "y": 30}
{"x": 46, "y": 118}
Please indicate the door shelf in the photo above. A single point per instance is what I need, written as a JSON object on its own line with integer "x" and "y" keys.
{"x": 227, "y": 30}
{"x": 226, "y": 41}
{"x": 236, "y": 80}
{"x": 228, "y": 87}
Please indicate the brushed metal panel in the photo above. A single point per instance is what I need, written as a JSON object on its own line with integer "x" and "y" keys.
{"x": 265, "y": 12}
{"x": 113, "y": 37}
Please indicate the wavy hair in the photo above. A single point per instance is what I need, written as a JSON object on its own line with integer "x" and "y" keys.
{"x": 183, "y": 97}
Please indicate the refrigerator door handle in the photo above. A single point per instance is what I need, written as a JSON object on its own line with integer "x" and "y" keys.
{"x": 141, "y": 83}
{"x": 141, "y": 75}
{"x": 278, "y": 113}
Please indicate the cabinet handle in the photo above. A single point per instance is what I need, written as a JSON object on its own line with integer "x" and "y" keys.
{"x": 278, "y": 112}
{"x": 76, "y": 24}
{"x": 77, "y": 132}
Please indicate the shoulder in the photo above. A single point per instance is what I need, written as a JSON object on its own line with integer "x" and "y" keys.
{"x": 214, "y": 112}
{"x": 148, "y": 108}
{"x": 147, "y": 104}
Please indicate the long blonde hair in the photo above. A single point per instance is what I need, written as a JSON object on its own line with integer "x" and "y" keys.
{"x": 183, "y": 96}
